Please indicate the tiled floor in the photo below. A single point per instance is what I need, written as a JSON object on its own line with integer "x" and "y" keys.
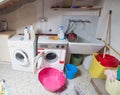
{"x": 24, "y": 83}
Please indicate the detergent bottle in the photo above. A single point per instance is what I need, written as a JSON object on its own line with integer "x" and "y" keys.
{"x": 26, "y": 33}
{"x": 32, "y": 32}
{"x": 61, "y": 33}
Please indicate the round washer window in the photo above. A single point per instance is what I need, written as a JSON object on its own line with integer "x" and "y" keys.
{"x": 51, "y": 57}
{"x": 21, "y": 57}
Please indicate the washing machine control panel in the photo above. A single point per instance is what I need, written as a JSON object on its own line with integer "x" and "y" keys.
{"x": 52, "y": 46}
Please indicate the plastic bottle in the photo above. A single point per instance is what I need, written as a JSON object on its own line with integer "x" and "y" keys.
{"x": 32, "y": 33}
{"x": 61, "y": 33}
{"x": 26, "y": 34}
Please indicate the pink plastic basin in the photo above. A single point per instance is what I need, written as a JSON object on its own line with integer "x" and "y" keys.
{"x": 52, "y": 79}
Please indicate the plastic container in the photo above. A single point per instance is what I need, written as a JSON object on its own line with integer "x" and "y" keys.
{"x": 32, "y": 32}
{"x": 112, "y": 87}
{"x": 96, "y": 70}
{"x": 70, "y": 71}
{"x": 87, "y": 61}
{"x": 61, "y": 33}
{"x": 77, "y": 59}
{"x": 26, "y": 34}
{"x": 108, "y": 60}
{"x": 52, "y": 79}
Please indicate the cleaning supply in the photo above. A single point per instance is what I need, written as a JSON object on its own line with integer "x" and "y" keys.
{"x": 110, "y": 74}
{"x": 32, "y": 32}
{"x": 26, "y": 33}
{"x": 61, "y": 33}
{"x": 118, "y": 73}
{"x": 77, "y": 59}
{"x": 112, "y": 87}
{"x": 70, "y": 71}
{"x": 1, "y": 89}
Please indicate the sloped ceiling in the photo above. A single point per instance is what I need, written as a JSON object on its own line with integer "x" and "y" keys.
{"x": 8, "y": 6}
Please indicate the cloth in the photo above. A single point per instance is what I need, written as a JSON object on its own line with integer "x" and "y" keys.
{"x": 110, "y": 74}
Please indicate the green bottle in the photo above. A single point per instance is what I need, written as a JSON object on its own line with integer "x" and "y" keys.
{"x": 118, "y": 74}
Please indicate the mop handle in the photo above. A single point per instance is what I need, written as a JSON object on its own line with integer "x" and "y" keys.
{"x": 114, "y": 51}
{"x": 108, "y": 32}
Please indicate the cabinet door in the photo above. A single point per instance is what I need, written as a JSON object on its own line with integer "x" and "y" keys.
{"x": 4, "y": 51}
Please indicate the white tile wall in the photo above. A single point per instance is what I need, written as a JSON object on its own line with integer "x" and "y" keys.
{"x": 83, "y": 30}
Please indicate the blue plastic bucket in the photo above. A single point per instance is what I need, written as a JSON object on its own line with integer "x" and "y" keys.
{"x": 70, "y": 71}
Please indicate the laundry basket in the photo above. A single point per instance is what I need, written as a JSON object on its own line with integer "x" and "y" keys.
{"x": 112, "y": 87}
{"x": 96, "y": 69}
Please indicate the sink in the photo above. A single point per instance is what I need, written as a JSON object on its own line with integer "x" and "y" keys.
{"x": 83, "y": 46}
{"x": 79, "y": 40}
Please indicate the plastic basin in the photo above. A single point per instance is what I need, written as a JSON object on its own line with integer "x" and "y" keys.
{"x": 52, "y": 79}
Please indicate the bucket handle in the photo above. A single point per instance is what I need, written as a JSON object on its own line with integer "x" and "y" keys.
{"x": 38, "y": 61}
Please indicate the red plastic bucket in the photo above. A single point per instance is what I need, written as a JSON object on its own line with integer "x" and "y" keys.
{"x": 108, "y": 60}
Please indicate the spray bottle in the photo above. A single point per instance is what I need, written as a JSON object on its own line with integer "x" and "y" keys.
{"x": 26, "y": 33}
{"x": 61, "y": 33}
{"x": 32, "y": 33}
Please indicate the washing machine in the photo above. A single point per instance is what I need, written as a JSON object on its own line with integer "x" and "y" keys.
{"x": 54, "y": 52}
{"x": 22, "y": 53}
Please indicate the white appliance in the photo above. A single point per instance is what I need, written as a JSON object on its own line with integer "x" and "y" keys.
{"x": 54, "y": 52}
{"x": 22, "y": 53}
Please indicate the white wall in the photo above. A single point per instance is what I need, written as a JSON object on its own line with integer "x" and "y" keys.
{"x": 115, "y": 24}
{"x": 31, "y": 13}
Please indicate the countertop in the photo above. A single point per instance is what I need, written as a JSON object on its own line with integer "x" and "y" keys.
{"x": 8, "y": 33}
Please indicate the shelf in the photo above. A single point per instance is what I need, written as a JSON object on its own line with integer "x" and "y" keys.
{"x": 79, "y": 9}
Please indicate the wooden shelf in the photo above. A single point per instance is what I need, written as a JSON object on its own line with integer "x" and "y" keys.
{"x": 79, "y": 9}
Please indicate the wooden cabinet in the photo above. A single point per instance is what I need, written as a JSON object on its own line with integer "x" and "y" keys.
{"x": 4, "y": 50}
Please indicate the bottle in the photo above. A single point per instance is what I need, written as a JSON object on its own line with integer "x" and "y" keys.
{"x": 61, "y": 33}
{"x": 32, "y": 33}
{"x": 26, "y": 33}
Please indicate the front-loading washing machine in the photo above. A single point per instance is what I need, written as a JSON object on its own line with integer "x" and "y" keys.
{"x": 54, "y": 52}
{"x": 22, "y": 53}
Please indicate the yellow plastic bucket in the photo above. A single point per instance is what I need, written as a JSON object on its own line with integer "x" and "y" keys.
{"x": 96, "y": 70}
{"x": 113, "y": 88}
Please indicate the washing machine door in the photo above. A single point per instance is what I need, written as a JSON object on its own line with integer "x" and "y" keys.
{"x": 51, "y": 57}
{"x": 21, "y": 58}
